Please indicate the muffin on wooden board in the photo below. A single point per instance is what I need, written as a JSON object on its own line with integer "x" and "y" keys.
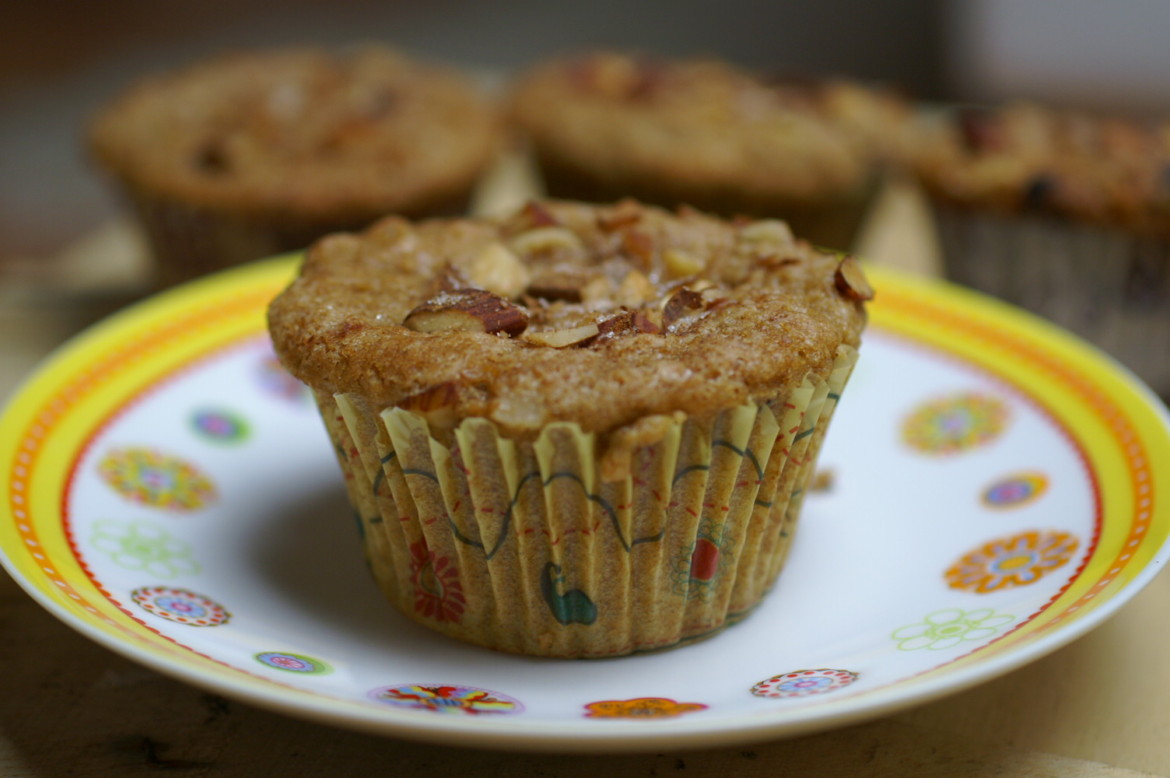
{"x": 1061, "y": 212}
{"x": 575, "y": 431}
{"x": 251, "y": 154}
{"x": 706, "y": 133}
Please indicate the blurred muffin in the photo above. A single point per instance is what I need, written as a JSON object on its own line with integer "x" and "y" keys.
{"x": 708, "y": 134}
{"x": 251, "y": 154}
{"x": 1060, "y": 212}
{"x": 574, "y": 431}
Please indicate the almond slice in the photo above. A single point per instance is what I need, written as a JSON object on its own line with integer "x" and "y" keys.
{"x": 851, "y": 281}
{"x": 468, "y": 310}
{"x": 498, "y": 270}
{"x": 572, "y": 336}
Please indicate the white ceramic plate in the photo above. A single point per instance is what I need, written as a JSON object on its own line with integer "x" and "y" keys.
{"x": 171, "y": 494}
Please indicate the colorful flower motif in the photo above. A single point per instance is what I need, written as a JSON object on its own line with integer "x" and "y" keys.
{"x": 1018, "y": 560}
{"x": 152, "y": 478}
{"x": 696, "y": 571}
{"x": 138, "y": 546}
{"x": 1015, "y": 490}
{"x": 276, "y": 380}
{"x": 950, "y": 627}
{"x": 180, "y": 606}
{"x": 220, "y": 426}
{"x": 293, "y": 663}
{"x": 641, "y": 708}
{"x": 437, "y": 592}
{"x": 950, "y": 425}
{"x": 448, "y": 699}
{"x": 803, "y": 683}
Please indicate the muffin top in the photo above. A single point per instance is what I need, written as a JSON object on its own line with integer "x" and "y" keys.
{"x": 1022, "y": 157}
{"x": 601, "y": 315}
{"x": 706, "y": 124}
{"x": 301, "y": 133}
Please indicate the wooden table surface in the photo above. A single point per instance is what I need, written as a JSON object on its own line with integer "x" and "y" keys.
{"x": 1097, "y": 707}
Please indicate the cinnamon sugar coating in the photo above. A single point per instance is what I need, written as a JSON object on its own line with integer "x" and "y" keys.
{"x": 693, "y": 314}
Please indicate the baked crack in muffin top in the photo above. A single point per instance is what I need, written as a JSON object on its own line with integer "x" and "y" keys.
{"x": 599, "y": 315}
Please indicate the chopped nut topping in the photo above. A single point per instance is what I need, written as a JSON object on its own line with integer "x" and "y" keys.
{"x": 624, "y": 214}
{"x": 628, "y": 323}
{"x": 772, "y": 230}
{"x": 681, "y": 263}
{"x": 467, "y": 310}
{"x": 498, "y": 270}
{"x": 546, "y": 239}
{"x": 639, "y": 246}
{"x": 635, "y": 289}
{"x": 572, "y": 336}
{"x": 851, "y": 281}
{"x": 564, "y": 285}
{"x": 679, "y": 304}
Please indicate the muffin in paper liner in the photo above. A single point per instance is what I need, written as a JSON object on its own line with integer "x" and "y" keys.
{"x": 249, "y": 154}
{"x": 1110, "y": 287}
{"x": 520, "y": 546}
{"x": 577, "y": 430}
{"x": 1060, "y": 212}
{"x": 711, "y": 134}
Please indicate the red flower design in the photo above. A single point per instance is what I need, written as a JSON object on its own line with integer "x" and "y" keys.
{"x": 437, "y": 592}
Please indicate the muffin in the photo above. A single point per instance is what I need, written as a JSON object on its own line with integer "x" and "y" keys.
{"x": 1059, "y": 212}
{"x": 252, "y": 154}
{"x": 711, "y": 135}
{"x": 578, "y": 430}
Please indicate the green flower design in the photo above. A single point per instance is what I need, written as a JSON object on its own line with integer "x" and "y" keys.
{"x": 947, "y": 628}
{"x": 138, "y": 546}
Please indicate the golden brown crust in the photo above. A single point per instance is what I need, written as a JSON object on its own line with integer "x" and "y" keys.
{"x": 702, "y": 132}
{"x": 768, "y": 310}
{"x": 301, "y": 134}
{"x": 1022, "y": 157}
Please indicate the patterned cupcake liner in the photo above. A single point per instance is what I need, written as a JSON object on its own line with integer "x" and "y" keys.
{"x": 188, "y": 242}
{"x": 520, "y": 546}
{"x": 1109, "y": 287}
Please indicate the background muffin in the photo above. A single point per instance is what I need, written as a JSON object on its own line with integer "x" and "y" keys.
{"x": 1060, "y": 212}
{"x": 577, "y": 431}
{"x": 711, "y": 135}
{"x": 256, "y": 153}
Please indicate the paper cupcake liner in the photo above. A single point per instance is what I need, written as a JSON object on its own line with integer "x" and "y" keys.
{"x": 832, "y": 221}
{"x": 188, "y": 242}
{"x": 1109, "y": 287}
{"x": 520, "y": 546}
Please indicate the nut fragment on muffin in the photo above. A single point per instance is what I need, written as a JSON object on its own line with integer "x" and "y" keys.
{"x": 579, "y": 430}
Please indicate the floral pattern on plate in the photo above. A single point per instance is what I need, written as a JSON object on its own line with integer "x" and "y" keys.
{"x": 180, "y": 606}
{"x": 446, "y": 698}
{"x": 802, "y": 683}
{"x": 1019, "y": 560}
{"x": 641, "y": 708}
{"x": 151, "y": 477}
{"x": 949, "y": 627}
